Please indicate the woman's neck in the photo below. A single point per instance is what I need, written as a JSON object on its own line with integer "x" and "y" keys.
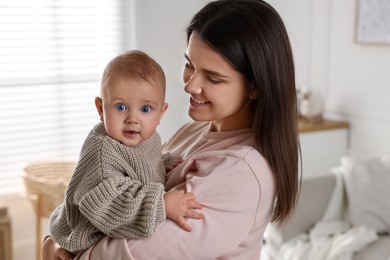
{"x": 223, "y": 126}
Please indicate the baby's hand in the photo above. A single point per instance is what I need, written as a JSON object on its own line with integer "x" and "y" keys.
{"x": 179, "y": 205}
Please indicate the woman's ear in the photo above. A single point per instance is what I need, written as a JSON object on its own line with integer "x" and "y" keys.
{"x": 253, "y": 93}
{"x": 99, "y": 107}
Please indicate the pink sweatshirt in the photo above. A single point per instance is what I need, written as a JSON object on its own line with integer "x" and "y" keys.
{"x": 235, "y": 186}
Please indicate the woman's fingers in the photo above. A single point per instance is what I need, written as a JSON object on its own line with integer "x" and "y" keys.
{"x": 169, "y": 167}
{"x": 52, "y": 251}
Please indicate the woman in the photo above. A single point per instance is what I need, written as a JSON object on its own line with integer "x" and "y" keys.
{"x": 240, "y": 155}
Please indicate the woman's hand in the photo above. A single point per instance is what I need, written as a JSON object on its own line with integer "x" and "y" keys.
{"x": 52, "y": 251}
{"x": 179, "y": 205}
{"x": 169, "y": 167}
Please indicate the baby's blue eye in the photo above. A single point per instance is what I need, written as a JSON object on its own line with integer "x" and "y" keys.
{"x": 120, "y": 107}
{"x": 146, "y": 109}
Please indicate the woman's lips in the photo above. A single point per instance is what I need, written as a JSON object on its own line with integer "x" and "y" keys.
{"x": 194, "y": 102}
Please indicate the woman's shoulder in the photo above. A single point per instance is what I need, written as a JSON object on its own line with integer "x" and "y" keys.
{"x": 242, "y": 163}
{"x": 239, "y": 154}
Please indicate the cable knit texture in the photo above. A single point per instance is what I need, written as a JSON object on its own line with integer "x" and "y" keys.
{"x": 115, "y": 190}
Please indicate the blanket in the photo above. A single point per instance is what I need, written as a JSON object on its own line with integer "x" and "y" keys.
{"x": 331, "y": 238}
{"x": 335, "y": 240}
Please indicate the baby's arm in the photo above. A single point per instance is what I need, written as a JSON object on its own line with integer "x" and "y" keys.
{"x": 179, "y": 205}
{"x": 124, "y": 208}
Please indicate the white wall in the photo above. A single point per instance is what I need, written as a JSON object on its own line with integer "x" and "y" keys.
{"x": 359, "y": 83}
{"x": 354, "y": 78}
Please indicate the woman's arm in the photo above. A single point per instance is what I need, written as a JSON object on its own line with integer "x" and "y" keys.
{"x": 236, "y": 209}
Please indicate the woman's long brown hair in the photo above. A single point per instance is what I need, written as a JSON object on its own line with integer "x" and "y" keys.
{"x": 251, "y": 35}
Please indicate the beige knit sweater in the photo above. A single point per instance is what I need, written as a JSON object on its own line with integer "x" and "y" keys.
{"x": 115, "y": 190}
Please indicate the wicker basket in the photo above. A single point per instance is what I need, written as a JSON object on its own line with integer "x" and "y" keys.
{"x": 46, "y": 183}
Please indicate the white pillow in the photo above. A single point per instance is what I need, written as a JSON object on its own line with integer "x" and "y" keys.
{"x": 367, "y": 182}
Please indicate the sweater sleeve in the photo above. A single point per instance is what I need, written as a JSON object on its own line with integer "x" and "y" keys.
{"x": 236, "y": 208}
{"x": 124, "y": 208}
{"x": 117, "y": 194}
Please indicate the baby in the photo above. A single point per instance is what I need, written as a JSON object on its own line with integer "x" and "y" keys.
{"x": 117, "y": 188}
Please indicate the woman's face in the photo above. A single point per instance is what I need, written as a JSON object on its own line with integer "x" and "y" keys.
{"x": 218, "y": 92}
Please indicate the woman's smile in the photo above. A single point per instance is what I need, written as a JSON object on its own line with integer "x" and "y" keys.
{"x": 195, "y": 102}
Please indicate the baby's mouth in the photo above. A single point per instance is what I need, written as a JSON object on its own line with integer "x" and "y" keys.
{"x": 131, "y": 132}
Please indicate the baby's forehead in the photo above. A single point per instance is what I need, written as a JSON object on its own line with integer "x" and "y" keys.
{"x": 112, "y": 83}
{"x": 114, "y": 79}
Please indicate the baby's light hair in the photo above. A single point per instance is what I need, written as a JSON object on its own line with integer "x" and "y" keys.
{"x": 134, "y": 64}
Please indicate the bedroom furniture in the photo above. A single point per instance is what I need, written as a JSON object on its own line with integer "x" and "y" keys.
{"x": 46, "y": 183}
{"x": 344, "y": 195}
{"x": 5, "y": 234}
{"x": 322, "y": 145}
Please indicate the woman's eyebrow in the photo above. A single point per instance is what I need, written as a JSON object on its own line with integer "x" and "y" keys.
{"x": 217, "y": 74}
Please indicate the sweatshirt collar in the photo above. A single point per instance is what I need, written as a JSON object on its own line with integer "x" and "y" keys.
{"x": 226, "y": 134}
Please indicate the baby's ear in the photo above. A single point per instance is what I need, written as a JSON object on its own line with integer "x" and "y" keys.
{"x": 163, "y": 110}
{"x": 164, "y": 107}
{"x": 99, "y": 107}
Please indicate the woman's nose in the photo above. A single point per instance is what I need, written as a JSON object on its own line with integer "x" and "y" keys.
{"x": 193, "y": 85}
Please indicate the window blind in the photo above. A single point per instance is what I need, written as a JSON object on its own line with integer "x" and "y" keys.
{"x": 52, "y": 55}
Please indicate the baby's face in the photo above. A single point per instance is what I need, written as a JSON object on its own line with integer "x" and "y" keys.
{"x": 131, "y": 110}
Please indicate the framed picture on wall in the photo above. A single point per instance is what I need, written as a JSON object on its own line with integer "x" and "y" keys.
{"x": 373, "y": 21}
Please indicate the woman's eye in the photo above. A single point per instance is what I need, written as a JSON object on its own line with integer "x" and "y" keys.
{"x": 213, "y": 80}
{"x": 120, "y": 107}
{"x": 146, "y": 109}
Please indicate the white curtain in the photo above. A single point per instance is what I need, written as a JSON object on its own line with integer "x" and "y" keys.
{"x": 52, "y": 55}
